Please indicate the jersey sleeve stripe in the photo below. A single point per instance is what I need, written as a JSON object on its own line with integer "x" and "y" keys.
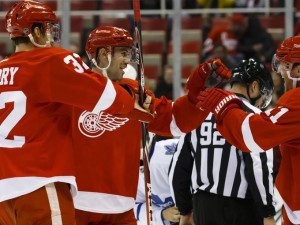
{"x": 107, "y": 98}
{"x": 248, "y": 137}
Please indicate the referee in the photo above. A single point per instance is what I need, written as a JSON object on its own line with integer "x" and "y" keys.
{"x": 213, "y": 180}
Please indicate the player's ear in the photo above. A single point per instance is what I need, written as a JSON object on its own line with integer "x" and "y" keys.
{"x": 37, "y": 35}
{"x": 102, "y": 52}
{"x": 296, "y": 71}
{"x": 102, "y": 57}
{"x": 254, "y": 88}
{"x": 37, "y": 32}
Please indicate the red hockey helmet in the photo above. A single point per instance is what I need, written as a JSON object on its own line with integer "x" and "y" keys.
{"x": 289, "y": 50}
{"x": 106, "y": 36}
{"x": 287, "y": 55}
{"x": 24, "y": 14}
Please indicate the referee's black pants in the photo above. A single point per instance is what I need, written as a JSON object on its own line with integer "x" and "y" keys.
{"x": 213, "y": 209}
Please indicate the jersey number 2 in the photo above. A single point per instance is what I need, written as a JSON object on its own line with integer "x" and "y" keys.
{"x": 19, "y": 109}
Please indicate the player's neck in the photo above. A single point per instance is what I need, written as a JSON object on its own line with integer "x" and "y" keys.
{"x": 96, "y": 70}
{"x": 24, "y": 47}
{"x": 239, "y": 89}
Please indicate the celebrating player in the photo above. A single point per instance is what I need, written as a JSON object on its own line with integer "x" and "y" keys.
{"x": 108, "y": 154}
{"x": 39, "y": 85}
{"x": 277, "y": 126}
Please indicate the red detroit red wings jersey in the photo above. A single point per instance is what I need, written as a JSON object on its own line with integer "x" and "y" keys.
{"x": 278, "y": 126}
{"x": 37, "y": 91}
{"x": 107, "y": 155}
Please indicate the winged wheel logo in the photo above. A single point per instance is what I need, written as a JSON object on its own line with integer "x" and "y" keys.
{"x": 93, "y": 125}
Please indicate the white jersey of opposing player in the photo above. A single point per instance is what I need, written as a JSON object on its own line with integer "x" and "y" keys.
{"x": 160, "y": 157}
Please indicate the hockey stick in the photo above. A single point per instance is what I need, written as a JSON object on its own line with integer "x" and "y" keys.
{"x": 141, "y": 80}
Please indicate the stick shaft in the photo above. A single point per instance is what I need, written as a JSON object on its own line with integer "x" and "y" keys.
{"x": 141, "y": 80}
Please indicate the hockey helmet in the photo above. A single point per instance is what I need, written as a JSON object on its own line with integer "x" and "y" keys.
{"x": 287, "y": 55}
{"x": 250, "y": 70}
{"x": 289, "y": 50}
{"x": 24, "y": 14}
{"x": 107, "y": 36}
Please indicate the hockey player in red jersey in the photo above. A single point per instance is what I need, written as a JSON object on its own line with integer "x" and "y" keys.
{"x": 108, "y": 154}
{"x": 277, "y": 126}
{"x": 39, "y": 85}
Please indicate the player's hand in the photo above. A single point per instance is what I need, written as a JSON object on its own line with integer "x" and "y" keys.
{"x": 186, "y": 219}
{"x": 219, "y": 68}
{"x": 218, "y": 101}
{"x": 269, "y": 221}
{"x": 196, "y": 81}
{"x": 171, "y": 214}
{"x": 145, "y": 113}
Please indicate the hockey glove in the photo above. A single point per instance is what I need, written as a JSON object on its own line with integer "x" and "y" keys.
{"x": 218, "y": 101}
{"x": 145, "y": 113}
{"x": 197, "y": 79}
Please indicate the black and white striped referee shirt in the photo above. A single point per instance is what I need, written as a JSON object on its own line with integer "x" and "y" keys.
{"x": 205, "y": 161}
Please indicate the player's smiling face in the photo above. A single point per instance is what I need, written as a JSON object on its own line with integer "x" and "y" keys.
{"x": 291, "y": 75}
{"x": 121, "y": 57}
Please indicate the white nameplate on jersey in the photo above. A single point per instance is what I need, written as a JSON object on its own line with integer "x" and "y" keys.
{"x": 7, "y": 75}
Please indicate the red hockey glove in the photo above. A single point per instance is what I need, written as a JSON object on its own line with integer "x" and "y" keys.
{"x": 197, "y": 79}
{"x": 218, "y": 101}
{"x": 145, "y": 113}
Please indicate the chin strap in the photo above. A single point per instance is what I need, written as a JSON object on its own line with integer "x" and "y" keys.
{"x": 295, "y": 82}
{"x": 103, "y": 69}
{"x": 48, "y": 42}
